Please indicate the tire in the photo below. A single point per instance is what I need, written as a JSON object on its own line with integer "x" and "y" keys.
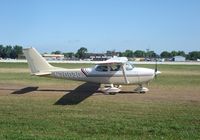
{"x": 112, "y": 93}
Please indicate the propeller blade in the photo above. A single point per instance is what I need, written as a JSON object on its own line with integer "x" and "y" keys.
{"x": 156, "y": 69}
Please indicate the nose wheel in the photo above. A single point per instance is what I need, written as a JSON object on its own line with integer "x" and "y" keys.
{"x": 141, "y": 89}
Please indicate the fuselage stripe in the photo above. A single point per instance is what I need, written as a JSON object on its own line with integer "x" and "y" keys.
{"x": 84, "y": 72}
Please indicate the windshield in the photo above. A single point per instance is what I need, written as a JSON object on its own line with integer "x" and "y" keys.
{"x": 129, "y": 66}
{"x": 115, "y": 67}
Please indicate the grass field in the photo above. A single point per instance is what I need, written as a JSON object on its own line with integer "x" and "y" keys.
{"x": 43, "y": 108}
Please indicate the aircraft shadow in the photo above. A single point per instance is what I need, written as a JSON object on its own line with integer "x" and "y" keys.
{"x": 87, "y": 87}
{"x": 79, "y": 94}
{"x": 31, "y": 89}
{"x": 25, "y": 90}
{"x": 74, "y": 97}
{"x": 129, "y": 92}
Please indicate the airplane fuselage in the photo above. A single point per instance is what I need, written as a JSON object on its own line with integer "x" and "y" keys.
{"x": 134, "y": 76}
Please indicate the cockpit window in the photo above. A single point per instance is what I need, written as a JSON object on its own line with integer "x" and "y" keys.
{"x": 105, "y": 68}
{"x": 129, "y": 66}
{"x": 102, "y": 68}
{"x": 115, "y": 68}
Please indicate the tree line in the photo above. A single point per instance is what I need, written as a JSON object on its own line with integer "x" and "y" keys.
{"x": 9, "y": 51}
{"x": 82, "y": 53}
{"x": 14, "y": 52}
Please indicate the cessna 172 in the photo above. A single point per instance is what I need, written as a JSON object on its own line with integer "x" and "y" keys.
{"x": 112, "y": 73}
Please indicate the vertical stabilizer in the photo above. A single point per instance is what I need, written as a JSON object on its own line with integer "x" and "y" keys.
{"x": 36, "y": 62}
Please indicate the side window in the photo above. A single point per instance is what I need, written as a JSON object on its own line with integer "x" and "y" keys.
{"x": 115, "y": 68}
{"x": 102, "y": 68}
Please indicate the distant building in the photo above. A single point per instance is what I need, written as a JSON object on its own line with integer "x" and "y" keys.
{"x": 21, "y": 56}
{"x": 53, "y": 56}
{"x": 139, "y": 59}
{"x": 178, "y": 59}
{"x": 98, "y": 56}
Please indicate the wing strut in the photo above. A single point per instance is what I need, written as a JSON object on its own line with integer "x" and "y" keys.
{"x": 124, "y": 73}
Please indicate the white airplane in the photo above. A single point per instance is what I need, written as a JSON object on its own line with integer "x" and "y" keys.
{"x": 111, "y": 74}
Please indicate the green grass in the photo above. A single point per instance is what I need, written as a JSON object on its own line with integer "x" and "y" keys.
{"x": 13, "y": 65}
{"x": 34, "y": 116}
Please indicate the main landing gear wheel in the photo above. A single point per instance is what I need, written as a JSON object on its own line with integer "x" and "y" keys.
{"x": 112, "y": 93}
{"x": 141, "y": 89}
{"x": 110, "y": 89}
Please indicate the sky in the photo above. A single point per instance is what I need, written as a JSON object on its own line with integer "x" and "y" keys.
{"x": 100, "y": 25}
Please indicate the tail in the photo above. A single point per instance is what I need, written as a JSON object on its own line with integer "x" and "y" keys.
{"x": 37, "y": 64}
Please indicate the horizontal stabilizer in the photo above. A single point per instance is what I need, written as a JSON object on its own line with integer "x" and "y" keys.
{"x": 42, "y": 73}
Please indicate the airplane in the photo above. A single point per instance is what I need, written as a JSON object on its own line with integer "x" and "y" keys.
{"x": 111, "y": 74}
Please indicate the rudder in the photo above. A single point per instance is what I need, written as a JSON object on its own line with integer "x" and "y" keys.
{"x": 35, "y": 61}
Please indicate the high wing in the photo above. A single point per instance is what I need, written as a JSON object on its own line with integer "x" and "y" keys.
{"x": 117, "y": 61}
{"x": 114, "y": 60}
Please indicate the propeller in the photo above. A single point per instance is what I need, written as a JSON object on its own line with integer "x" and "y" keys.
{"x": 156, "y": 72}
{"x": 156, "y": 69}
